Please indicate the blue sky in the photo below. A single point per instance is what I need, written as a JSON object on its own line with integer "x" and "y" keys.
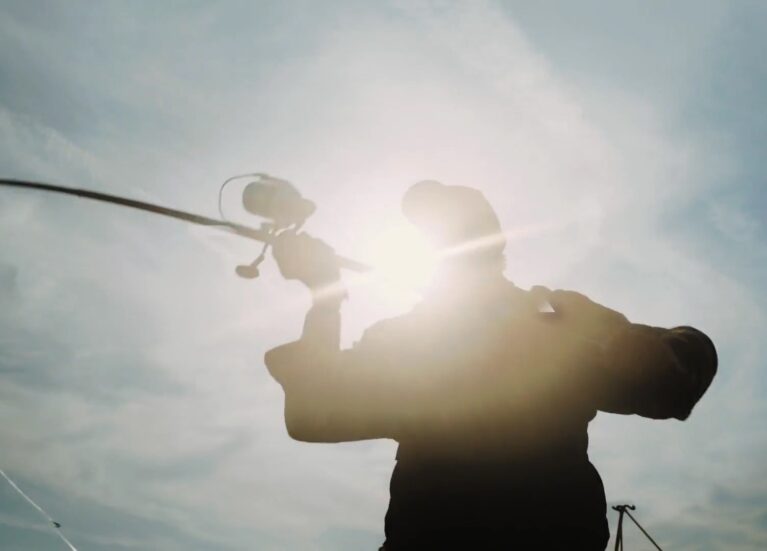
{"x": 621, "y": 143}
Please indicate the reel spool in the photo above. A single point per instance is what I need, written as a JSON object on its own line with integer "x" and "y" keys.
{"x": 279, "y": 202}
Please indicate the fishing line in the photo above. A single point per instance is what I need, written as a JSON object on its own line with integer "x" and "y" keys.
{"x": 56, "y": 526}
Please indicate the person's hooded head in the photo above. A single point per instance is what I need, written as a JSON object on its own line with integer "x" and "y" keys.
{"x": 459, "y": 221}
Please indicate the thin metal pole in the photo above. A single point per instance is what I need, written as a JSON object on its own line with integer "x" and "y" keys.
{"x": 619, "y": 531}
{"x": 644, "y": 532}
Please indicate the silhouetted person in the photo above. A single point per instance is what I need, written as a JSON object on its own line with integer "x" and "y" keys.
{"x": 488, "y": 397}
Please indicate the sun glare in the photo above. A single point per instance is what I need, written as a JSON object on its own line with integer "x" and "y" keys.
{"x": 403, "y": 258}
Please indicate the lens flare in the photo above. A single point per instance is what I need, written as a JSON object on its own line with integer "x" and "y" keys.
{"x": 403, "y": 258}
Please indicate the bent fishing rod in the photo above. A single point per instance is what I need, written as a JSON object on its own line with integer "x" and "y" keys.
{"x": 274, "y": 199}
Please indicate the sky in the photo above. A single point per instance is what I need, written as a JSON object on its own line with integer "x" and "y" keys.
{"x": 620, "y": 143}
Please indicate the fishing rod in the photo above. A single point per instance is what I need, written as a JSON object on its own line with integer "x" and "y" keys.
{"x": 272, "y": 198}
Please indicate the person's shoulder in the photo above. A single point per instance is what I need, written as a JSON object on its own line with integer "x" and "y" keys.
{"x": 567, "y": 301}
{"x": 390, "y": 329}
{"x": 412, "y": 326}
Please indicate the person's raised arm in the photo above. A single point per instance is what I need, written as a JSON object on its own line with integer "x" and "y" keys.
{"x": 638, "y": 369}
{"x": 330, "y": 395}
{"x": 658, "y": 373}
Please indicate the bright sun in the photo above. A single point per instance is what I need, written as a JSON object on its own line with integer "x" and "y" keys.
{"x": 403, "y": 258}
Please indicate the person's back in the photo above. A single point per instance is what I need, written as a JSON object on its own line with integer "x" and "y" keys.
{"x": 500, "y": 448}
{"x": 488, "y": 397}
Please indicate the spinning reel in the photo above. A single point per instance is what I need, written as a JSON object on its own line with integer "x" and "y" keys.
{"x": 276, "y": 200}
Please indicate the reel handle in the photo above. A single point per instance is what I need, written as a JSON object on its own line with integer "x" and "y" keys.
{"x": 248, "y": 271}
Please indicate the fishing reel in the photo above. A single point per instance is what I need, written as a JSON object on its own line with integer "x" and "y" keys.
{"x": 276, "y": 200}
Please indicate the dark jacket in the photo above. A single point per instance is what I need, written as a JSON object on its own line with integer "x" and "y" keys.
{"x": 490, "y": 400}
